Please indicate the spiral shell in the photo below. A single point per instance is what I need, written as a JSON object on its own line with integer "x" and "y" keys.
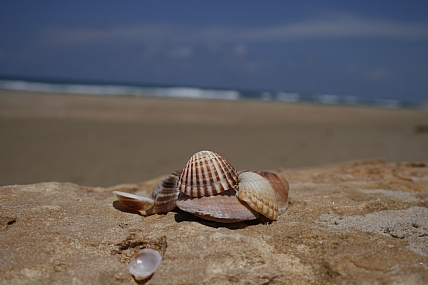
{"x": 166, "y": 194}
{"x": 144, "y": 263}
{"x": 280, "y": 186}
{"x": 134, "y": 202}
{"x": 258, "y": 194}
{"x": 224, "y": 207}
{"x": 207, "y": 174}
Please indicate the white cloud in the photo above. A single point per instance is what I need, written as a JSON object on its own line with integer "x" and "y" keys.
{"x": 180, "y": 53}
{"x": 332, "y": 26}
{"x": 339, "y": 27}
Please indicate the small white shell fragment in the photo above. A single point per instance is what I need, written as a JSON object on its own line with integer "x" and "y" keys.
{"x": 144, "y": 263}
{"x": 134, "y": 202}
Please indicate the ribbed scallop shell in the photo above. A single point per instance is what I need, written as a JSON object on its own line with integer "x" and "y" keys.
{"x": 134, "y": 202}
{"x": 258, "y": 194}
{"x": 166, "y": 194}
{"x": 224, "y": 207}
{"x": 207, "y": 174}
{"x": 280, "y": 186}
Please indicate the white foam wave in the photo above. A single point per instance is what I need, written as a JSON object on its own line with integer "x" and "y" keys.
{"x": 288, "y": 97}
{"x": 176, "y": 92}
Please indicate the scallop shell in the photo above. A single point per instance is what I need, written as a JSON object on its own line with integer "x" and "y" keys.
{"x": 144, "y": 263}
{"x": 207, "y": 174}
{"x": 166, "y": 194}
{"x": 224, "y": 207}
{"x": 134, "y": 202}
{"x": 258, "y": 194}
{"x": 279, "y": 184}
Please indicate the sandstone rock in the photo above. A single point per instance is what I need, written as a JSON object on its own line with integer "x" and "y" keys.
{"x": 361, "y": 222}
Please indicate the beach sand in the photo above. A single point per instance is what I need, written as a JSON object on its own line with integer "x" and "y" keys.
{"x": 104, "y": 141}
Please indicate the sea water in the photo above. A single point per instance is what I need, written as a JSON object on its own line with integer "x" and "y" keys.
{"x": 191, "y": 92}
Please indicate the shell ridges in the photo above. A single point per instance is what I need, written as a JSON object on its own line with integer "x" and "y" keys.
{"x": 258, "y": 194}
{"x": 166, "y": 194}
{"x": 280, "y": 186}
{"x": 206, "y": 174}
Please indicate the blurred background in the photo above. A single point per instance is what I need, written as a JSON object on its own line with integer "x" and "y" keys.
{"x": 107, "y": 92}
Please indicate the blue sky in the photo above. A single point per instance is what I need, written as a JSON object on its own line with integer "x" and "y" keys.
{"x": 371, "y": 49}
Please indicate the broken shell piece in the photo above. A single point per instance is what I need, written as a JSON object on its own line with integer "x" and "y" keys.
{"x": 223, "y": 208}
{"x": 134, "y": 202}
{"x": 256, "y": 191}
{"x": 280, "y": 186}
{"x": 207, "y": 174}
{"x": 144, "y": 263}
{"x": 166, "y": 194}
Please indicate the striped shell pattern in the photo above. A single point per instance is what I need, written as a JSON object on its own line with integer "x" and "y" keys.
{"x": 209, "y": 187}
{"x": 207, "y": 174}
{"x": 166, "y": 194}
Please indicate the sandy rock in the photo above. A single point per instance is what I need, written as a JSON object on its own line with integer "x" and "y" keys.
{"x": 361, "y": 222}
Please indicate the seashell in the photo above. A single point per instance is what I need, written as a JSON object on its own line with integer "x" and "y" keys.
{"x": 162, "y": 199}
{"x": 224, "y": 207}
{"x": 134, "y": 202}
{"x": 166, "y": 194}
{"x": 258, "y": 194}
{"x": 207, "y": 174}
{"x": 280, "y": 186}
{"x": 144, "y": 263}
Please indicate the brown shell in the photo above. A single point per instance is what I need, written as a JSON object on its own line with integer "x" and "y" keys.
{"x": 207, "y": 174}
{"x": 166, "y": 194}
{"x": 279, "y": 184}
{"x": 224, "y": 208}
{"x": 134, "y": 202}
{"x": 256, "y": 191}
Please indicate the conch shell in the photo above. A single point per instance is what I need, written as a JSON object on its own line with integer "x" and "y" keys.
{"x": 207, "y": 174}
{"x": 258, "y": 194}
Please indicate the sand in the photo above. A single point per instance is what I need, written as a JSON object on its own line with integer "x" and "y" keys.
{"x": 104, "y": 141}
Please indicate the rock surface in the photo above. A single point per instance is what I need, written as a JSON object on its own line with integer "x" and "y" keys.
{"x": 362, "y": 222}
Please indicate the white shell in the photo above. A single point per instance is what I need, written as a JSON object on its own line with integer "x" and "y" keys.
{"x": 134, "y": 202}
{"x": 256, "y": 191}
{"x": 144, "y": 263}
{"x": 207, "y": 174}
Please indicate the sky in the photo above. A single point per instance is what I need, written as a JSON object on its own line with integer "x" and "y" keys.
{"x": 370, "y": 49}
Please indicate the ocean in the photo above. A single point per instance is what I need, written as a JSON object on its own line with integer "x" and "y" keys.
{"x": 189, "y": 92}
